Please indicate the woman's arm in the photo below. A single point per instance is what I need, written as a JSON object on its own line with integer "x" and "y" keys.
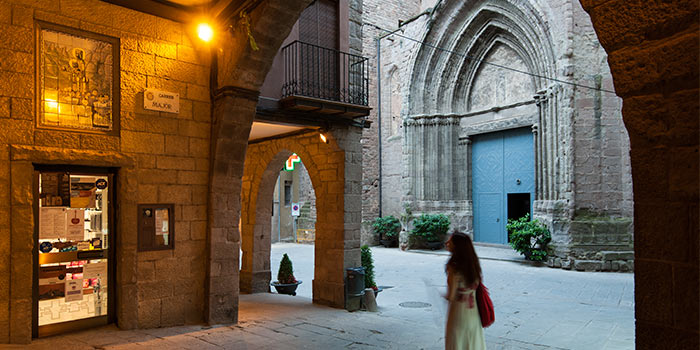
{"x": 451, "y": 285}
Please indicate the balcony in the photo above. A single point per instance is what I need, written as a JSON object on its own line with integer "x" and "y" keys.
{"x": 324, "y": 81}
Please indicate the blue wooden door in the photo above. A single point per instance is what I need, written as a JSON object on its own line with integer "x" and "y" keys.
{"x": 502, "y": 163}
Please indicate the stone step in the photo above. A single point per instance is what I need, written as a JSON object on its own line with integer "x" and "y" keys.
{"x": 617, "y": 255}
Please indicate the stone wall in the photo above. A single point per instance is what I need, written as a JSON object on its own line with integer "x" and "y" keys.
{"x": 653, "y": 56}
{"x": 385, "y": 14}
{"x": 307, "y": 200}
{"x": 170, "y": 154}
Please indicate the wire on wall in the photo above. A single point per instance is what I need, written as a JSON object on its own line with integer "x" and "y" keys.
{"x": 464, "y": 55}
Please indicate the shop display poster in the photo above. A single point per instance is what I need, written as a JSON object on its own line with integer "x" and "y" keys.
{"x": 162, "y": 222}
{"x": 74, "y": 290}
{"x": 95, "y": 270}
{"x": 52, "y": 223}
{"x": 75, "y": 230}
{"x": 82, "y": 194}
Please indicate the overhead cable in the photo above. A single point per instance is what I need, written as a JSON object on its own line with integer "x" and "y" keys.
{"x": 462, "y": 54}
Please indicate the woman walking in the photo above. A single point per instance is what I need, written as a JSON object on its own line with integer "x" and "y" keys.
{"x": 464, "y": 330}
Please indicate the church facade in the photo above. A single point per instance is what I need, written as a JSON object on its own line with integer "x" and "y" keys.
{"x": 493, "y": 109}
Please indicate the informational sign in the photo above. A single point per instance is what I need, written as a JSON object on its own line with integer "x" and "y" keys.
{"x": 45, "y": 247}
{"x": 82, "y": 193}
{"x": 75, "y": 227}
{"x": 162, "y": 101}
{"x": 295, "y": 209}
{"x": 95, "y": 270}
{"x": 74, "y": 290}
{"x": 162, "y": 221}
{"x": 52, "y": 223}
{"x": 101, "y": 184}
{"x": 289, "y": 164}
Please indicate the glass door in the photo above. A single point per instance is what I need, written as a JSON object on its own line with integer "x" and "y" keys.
{"x": 74, "y": 272}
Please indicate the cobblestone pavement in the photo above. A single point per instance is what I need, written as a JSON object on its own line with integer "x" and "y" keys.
{"x": 536, "y": 308}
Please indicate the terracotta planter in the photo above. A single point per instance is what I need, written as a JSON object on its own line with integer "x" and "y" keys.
{"x": 286, "y": 288}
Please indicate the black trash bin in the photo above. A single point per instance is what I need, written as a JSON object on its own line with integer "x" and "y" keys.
{"x": 354, "y": 287}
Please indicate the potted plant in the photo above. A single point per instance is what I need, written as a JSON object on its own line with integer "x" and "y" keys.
{"x": 529, "y": 238}
{"x": 430, "y": 230}
{"x": 368, "y": 264}
{"x": 286, "y": 282}
{"x": 387, "y": 229}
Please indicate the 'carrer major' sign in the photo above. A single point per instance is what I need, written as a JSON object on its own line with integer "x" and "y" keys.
{"x": 163, "y": 101}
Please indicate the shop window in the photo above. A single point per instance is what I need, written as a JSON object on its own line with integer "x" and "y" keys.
{"x": 74, "y": 279}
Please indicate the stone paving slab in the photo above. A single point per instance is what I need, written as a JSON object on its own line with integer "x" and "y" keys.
{"x": 537, "y": 308}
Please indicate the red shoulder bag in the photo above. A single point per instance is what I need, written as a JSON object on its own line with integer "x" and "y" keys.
{"x": 483, "y": 301}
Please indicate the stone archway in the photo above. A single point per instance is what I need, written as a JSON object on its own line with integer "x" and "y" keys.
{"x": 653, "y": 51}
{"x": 325, "y": 164}
{"x": 653, "y": 55}
{"x": 240, "y": 71}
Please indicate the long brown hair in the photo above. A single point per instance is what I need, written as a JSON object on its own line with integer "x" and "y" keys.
{"x": 464, "y": 259}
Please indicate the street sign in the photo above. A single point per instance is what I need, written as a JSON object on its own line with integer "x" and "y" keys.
{"x": 163, "y": 101}
{"x": 295, "y": 209}
{"x": 289, "y": 164}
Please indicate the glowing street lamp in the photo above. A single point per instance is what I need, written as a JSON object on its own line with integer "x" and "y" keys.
{"x": 205, "y": 32}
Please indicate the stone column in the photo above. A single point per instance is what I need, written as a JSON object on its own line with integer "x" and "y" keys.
{"x": 258, "y": 187}
{"x": 338, "y": 233}
{"x": 233, "y": 114}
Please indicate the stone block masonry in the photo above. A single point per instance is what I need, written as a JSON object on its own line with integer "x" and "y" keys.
{"x": 385, "y": 14}
{"x": 664, "y": 158}
{"x": 159, "y": 156}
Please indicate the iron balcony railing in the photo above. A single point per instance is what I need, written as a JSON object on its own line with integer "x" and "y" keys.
{"x": 323, "y": 73}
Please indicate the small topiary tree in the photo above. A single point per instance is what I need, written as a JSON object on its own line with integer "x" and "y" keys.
{"x": 285, "y": 274}
{"x": 368, "y": 264}
{"x": 431, "y": 227}
{"x": 387, "y": 227}
{"x": 529, "y": 238}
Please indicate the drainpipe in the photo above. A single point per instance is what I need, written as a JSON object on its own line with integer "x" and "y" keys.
{"x": 279, "y": 207}
{"x": 379, "y": 116}
{"x": 379, "y": 92}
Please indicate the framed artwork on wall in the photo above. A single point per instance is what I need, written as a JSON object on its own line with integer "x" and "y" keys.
{"x": 77, "y": 80}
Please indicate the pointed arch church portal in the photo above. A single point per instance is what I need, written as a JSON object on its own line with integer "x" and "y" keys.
{"x": 503, "y": 180}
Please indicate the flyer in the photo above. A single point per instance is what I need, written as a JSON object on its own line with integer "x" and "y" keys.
{"x": 75, "y": 225}
{"x": 82, "y": 193}
{"x": 95, "y": 270}
{"x": 162, "y": 222}
{"x": 74, "y": 290}
{"x": 52, "y": 223}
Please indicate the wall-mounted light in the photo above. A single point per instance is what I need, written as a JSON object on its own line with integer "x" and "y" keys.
{"x": 323, "y": 137}
{"x": 205, "y": 32}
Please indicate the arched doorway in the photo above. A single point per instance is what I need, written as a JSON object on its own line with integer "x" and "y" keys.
{"x": 325, "y": 163}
